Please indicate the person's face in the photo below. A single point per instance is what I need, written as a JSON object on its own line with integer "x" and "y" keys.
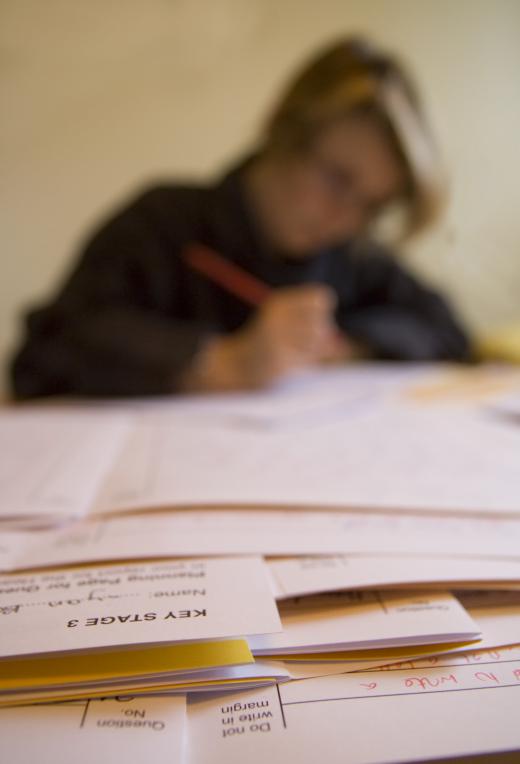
{"x": 337, "y": 187}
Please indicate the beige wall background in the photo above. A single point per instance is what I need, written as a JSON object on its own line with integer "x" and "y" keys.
{"x": 101, "y": 96}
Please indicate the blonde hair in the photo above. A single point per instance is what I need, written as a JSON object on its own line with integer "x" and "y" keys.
{"x": 353, "y": 77}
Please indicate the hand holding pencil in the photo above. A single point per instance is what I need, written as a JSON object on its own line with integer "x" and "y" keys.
{"x": 293, "y": 329}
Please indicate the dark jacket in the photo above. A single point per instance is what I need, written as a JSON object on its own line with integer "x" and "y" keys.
{"x": 132, "y": 314}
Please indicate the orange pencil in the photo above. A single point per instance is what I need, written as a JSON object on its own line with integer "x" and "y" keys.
{"x": 226, "y": 274}
{"x": 229, "y": 276}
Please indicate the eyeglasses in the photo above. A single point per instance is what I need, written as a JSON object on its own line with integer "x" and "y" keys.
{"x": 340, "y": 185}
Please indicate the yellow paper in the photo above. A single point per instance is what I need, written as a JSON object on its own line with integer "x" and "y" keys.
{"x": 463, "y": 385}
{"x": 63, "y": 695}
{"x": 95, "y": 667}
{"x": 502, "y": 344}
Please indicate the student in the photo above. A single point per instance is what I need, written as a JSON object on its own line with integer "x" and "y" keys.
{"x": 346, "y": 142}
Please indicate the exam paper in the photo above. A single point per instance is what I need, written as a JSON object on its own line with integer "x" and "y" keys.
{"x": 496, "y": 613}
{"x": 187, "y": 533}
{"x": 38, "y": 678}
{"x": 435, "y": 656}
{"x": 53, "y": 462}
{"x": 368, "y": 447}
{"x": 497, "y": 616}
{"x": 221, "y": 678}
{"x": 355, "y": 620}
{"x": 478, "y": 657}
{"x": 403, "y": 456}
{"x": 167, "y": 602}
{"x": 311, "y": 575}
{"x": 374, "y": 717}
{"x": 123, "y": 729}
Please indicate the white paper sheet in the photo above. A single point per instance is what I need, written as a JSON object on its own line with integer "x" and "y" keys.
{"x": 404, "y": 456}
{"x": 357, "y": 620}
{"x": 462, "y": 657}
{"x": 221, "y": 679}
{"x": 371, "y": 718}
{"x": 480, "y": 657}
{"x": 54, "y": 460}
{"x": 311, "y": 575}
{"x": 269, "y": 532}
{"x": 151, "y": 603}
{"x": 127, "y": 729}
{"x": 395, "y": 451}
{"x": 497, "y": 615}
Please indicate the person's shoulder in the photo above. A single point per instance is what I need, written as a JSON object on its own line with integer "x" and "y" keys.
{"x": 168, "y": 195}
{"x": 159, "y": 205}
{"x": 192, "y": 193}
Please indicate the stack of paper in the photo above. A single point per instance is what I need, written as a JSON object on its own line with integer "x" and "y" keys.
{"x": 357, "y": 531}
{"x": 403, "y": 714}
{"x": 408, "y": 446}
{"x": 299, "y": 576}
{"x": 366, "y": 620}
{"x": 92, "y": 632}
{"x": 274, "y": 532}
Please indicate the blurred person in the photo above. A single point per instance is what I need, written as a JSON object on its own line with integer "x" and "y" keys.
{"x": 308, "y": 285}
